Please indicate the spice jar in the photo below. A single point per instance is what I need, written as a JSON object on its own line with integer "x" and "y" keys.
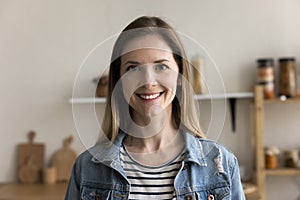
{"x": 291, "y": 158}
{"x": 271, "y": 161}
{"x": 265, "y": 76}
{"x": 287, "y": 78}
{"x": 271, "y": 157}
{"x": 49, "y": 175}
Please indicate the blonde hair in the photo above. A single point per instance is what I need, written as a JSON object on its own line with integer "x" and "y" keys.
{"x": 183, "y": 114}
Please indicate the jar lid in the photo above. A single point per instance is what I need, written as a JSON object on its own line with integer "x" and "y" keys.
{"x": 263, "y": 62}
{"x": 286, "y": 59}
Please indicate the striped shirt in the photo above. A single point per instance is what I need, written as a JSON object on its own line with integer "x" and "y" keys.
{"x": 150, "y": 182}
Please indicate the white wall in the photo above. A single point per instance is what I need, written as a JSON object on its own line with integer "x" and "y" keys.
{"x": 43, "y": 43}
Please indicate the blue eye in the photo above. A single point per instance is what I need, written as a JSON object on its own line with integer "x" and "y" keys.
{"x": 161, "y": 67}
{"x": 132, "y": 68}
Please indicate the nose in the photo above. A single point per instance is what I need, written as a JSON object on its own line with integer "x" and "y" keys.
{"x": 150, "y": 80}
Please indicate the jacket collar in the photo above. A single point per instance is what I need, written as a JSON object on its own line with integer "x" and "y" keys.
{"x": 108, "y": 152}
{"x": 194, "y": 149}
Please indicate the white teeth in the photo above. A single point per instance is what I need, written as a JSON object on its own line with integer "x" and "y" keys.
{"x": 151, "y": 96}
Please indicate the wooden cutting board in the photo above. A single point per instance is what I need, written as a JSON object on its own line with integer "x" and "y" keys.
{"x": 63, "y": 160}
{"x": 30, "y": 160}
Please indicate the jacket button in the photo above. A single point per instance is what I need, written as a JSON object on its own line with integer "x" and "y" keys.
{"x": 189, "y": 197}
{"x": 211, "y": 197}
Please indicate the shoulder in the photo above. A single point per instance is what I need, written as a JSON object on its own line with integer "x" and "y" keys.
{"x": 218, "y": 153}
{"x": 210, "y": 145}
{"x": 84, "y": 158}
{"x": 87, "y": 157}
{"x": 87, "y": 166}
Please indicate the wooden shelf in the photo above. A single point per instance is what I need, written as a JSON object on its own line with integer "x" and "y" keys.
{"x": 86, "y": 100}
{"x": 283, "y": 172}
{"x": 258, "y": 135}
{"x": 240, "y": 95}
{"x": 232, "y": 97}
{"x": 251, "y": 191}
{"x": 33, "y": 191}
{"x": 249, "y": 188}
{"x": 278, "y": 100}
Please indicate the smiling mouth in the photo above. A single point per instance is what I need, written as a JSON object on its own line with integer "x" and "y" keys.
{"x": 150, "y": 96}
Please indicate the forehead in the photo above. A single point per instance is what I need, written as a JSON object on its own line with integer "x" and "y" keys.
{"x": 146, "y": 49}
{"x": 147, "y": 56}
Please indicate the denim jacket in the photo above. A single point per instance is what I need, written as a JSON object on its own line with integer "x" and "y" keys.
{"x": 208, "y": 171}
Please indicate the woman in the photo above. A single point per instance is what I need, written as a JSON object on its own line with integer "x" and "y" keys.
{"x": 154, "y": 147}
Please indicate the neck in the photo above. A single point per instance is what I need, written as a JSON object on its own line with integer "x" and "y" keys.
{"x": 149, "y": 134}
{"x": 153, "y": 143}
{"x": 156, "y": 150}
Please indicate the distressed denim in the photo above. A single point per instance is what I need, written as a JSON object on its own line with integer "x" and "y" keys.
{"x": 208, "y": 171}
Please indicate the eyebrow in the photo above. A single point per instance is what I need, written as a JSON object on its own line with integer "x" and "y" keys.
{"x": 137, "y": 63}
{"x": 161, "y": 60}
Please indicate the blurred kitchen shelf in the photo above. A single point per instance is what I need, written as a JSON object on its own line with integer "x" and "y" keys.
{"x": 242, "y": 95}
{"x": 278, "y": 100}
{"x": 251, "y": 191}
{"x": 258, "y": 138}
{"x": 86, "y": 100}
{"x": 232, "y": 97}
{"x": 283, "y": 172}
{"x": 11, "y": 191}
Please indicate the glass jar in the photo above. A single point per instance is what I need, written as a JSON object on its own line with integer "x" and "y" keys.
{"x": 287, "y": 77}
{"x": 265, "y": 76}
{"x": 291, "y": 158}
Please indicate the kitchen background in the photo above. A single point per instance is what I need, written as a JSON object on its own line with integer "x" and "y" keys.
{"x": 43, "y": 44}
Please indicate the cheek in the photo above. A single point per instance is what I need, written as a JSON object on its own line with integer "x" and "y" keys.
{"x": 170, "y": 82}
{"x": 129, "y": 85}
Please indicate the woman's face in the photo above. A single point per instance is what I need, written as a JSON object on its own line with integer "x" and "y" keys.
{"x": 149, "y": 75}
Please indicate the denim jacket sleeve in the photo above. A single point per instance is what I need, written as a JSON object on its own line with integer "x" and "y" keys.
{"x": 73, "y": 190}
{"x": 237, "y": 188}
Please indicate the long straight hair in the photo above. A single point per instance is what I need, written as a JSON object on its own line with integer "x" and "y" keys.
{"x": 183, "y": 107}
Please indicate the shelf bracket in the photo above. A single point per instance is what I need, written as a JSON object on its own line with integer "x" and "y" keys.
{"x": 232, "y": 104}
